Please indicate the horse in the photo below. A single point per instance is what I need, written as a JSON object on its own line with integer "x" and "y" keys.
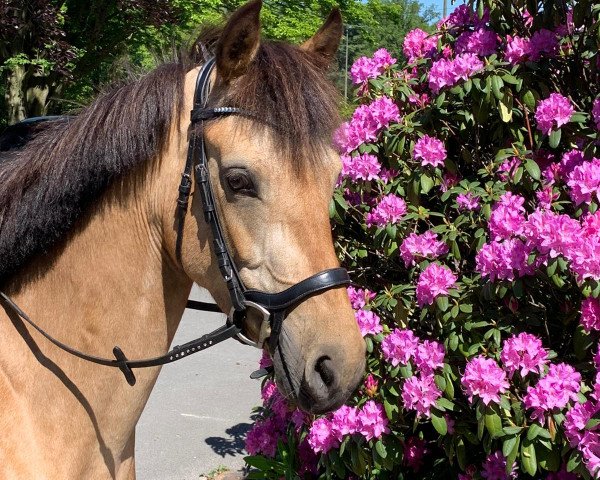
{"x": 89, "y": 248}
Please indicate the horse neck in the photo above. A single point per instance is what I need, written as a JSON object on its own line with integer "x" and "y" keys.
{"x": 112, "y": 283}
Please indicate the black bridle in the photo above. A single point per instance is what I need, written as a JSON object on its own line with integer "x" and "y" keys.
{"x": 273, "y": 307}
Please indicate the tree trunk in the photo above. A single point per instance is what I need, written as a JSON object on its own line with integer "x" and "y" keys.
{"x": 37, "y": 91}
{"x": 14, "y": 97}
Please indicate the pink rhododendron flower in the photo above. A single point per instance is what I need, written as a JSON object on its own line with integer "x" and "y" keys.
{"x": 494, "y": 468}
{"x": 446, "y": 73}
{"x": 542, "y": 41}
{"x": 265, "y": 360}
{"x": 504, "y": 260}
{"x": 596, "y": 113}
{"x": 425, "y": 245}
{"x": 546, "y": 196}
{"x": 390, "y": 209}
{"x": 517, "y": 49}
{"x": 467, "y": 201}
{"x": 584, "y": 181}
{"x": 507, "y": 217}
{"x": 371, "y": 385}
{"x": 429, "y": 357}
{"x": 263, "y": 437}
{"x": 553, "y": 391}
{"x": 361, "y": 167}
{"x": 384, "y": 111}
{"x": 399, "y": 346}
{"x": 524, "y": 353}
{"x": 570, "y": 160}
{"x": 551, "y": 233}
{"x": 359, "y": 297}
{"x": 368, "y": 322}
{"x": 590, "y": 314}
{"x": 372, "y": 421}
{"x": 553, "y": 112}
{"x": 480, "y": 42}
{"x": 576, "y": 419}
{"x": 365, "y": 68}
{"x": 321, "y": 436}
{"x": 430, "y": 151}
{"x": 485, "y": 379}
{"x": 435, "y": 280}
{"x": 509, "y": 167}
{"x": 344, "y": 422}
{"x": 420, "y": 394}
{"x": 268, "y": 390}
{"x": 449, "y": 180}
{"x": 562, "y": 474}
{"x": 419, "y": 44}
{"x": 415, "y": 450}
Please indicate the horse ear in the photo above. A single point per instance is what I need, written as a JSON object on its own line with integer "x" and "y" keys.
{"x": 239, "y": 42}
{"x": 327, "y": 39}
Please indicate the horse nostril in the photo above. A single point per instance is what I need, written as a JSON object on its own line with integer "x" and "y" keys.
{"x": 324, "y": 368}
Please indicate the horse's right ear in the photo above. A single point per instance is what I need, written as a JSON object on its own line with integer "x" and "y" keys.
{"x": 239, "y": 42}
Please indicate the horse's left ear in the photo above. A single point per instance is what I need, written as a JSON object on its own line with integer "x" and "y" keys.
{"x": 327, "y": 40}
{"x": 239, "y": 41}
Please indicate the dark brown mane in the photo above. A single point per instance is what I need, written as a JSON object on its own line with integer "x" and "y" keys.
{"x": 46, "y": 187}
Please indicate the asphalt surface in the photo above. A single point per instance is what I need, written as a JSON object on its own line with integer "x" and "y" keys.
{"x": 199, "y": 411}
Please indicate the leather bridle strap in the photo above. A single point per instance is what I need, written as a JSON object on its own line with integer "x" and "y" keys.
{"x": 121, "y": 361}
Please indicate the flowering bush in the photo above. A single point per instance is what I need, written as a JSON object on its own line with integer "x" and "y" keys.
{"x": 468, "y": 210}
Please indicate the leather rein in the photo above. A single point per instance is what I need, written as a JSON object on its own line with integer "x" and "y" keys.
{"x": 273, "y": 307}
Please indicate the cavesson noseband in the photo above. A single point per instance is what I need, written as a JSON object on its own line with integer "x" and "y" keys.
{"x": 273, "y": 307}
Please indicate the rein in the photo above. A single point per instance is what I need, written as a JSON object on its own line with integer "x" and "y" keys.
{"x": 273, "y": 307}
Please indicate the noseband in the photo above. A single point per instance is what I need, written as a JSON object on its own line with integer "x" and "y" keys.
{"x": 273, "y": 307}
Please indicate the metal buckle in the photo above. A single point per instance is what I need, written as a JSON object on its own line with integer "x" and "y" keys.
{"x": 265, "y": 327}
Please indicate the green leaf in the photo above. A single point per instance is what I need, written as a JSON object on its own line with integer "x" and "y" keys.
{"x": 582, "y": 342}
{"x": 528, "y": 457}
{"x": 512, "y": 430}
{"x": 439, "y": 423}
{"x": 445, "y": 403}
{"x": 497, "y": 86}
{"x": 574, "y": 461}
{"x": 535, "y": 430}
{"x": 439, "y": 101}
{"x": 509, "y": 444}
{"x": 548, "y": 458}
{"x": 505, "y": 108}
{"x": 493, "y": 423}
{"x": 554, "y": 138}
{"x": 512, "y": 456}
{"x": 529, "y": 99}
{"x": 380, "y": 449}
{"x": 533, "y": 169}
{"x": 426, "y": 184}
{"x": 442, "y": 303}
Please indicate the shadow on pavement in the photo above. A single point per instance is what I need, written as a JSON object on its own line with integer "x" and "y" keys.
{"x": 232, "y": 445}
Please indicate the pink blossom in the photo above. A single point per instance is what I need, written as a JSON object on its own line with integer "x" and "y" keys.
{"x": 546, "y": 196}
{"x": 504, "y": 260}
{"x": 435, "y": 280}
{"x": 467, "y": 201}
{"x": 446, "y": 73}
{"x": 366, "y": 68}
{"x": 480, "y": 42}
{"x": 484, "y": 378}
{"x": 562, "y": 474}
{"x": 590, "y": 314}
{"x": 596, "y": 113}
{"x": 553, "y": 391}
{"x": 590, "y": 449}
{"x": 551, "y": 233}
{"x": 372, "y": 422}
{"x": 429, "y": 357}
{"x": 321, "y": 436}
{"x": 415, "y": 450}
{"x": 420, "y": 394}
{"x": 494, "y": 468}
{"x": 425, "y": 245}
{"x": 368, "y": 322}
{"x": 570, "y": 160}
{"x": 542, "y": 41}
{"x": 345, "y": 422}
{"x": 507, "y": 218}
{"x": 430, "y": 151}
{"x": 517, "y": 49}
{"x": 384, "y": 111}
{"x": 390, "y": 209}
{"x": 419, "y": 44}
{"x": 371, "y": 385}
{"x": 553, "y": 112}
{"x": 361, "y": 167}
{"x": 523, "y": 352}
{"x": 449, "y": 180}
{"x": 265, "y": 360}
{"x": 359, "y": 297}
{"x": 263, "y": 437}
{"x": 399, "y": 346}
{"x": 576, "y": 419}
{"x": 584, "y": 181}
{"x": 307, "y": 459}
{"x": 268, "y": 390}
{"x": 508, "y": 169}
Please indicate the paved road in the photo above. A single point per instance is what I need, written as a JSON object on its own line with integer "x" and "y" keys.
{"x": 199, "y": 411}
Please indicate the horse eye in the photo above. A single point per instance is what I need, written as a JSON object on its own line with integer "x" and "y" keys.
{"x": 240, "y": 182}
